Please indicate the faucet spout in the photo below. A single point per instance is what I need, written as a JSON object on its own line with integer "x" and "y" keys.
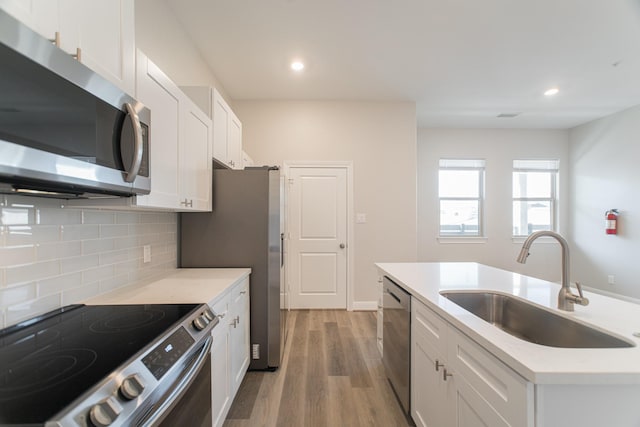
{"x": 566, "y": 299}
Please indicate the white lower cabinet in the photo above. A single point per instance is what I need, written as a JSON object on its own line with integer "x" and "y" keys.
{"x": 455, "y": 382}
{"x": 229, "y": 349}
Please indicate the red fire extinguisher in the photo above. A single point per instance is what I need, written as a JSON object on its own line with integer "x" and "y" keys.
{"x": 611, "y": 221}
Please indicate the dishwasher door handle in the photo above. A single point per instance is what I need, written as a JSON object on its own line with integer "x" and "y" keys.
{"x": 394, "y": 296}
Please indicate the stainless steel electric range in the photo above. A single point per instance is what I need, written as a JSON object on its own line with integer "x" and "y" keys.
{"x": 119, "y": 365}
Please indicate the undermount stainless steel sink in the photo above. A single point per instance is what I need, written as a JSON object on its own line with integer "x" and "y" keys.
{"x": 531, "y": 323}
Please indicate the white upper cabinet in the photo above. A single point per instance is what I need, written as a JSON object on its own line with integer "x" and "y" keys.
{"x": 101, "y": 32}
{"x": 42, "y": 16}
{"x": 162, "y": 97}
{"x": 227, "y": 128}
{"x": 180, "y": 143}
{"x": 195, "y": 158}
{"x": 104, "y": 31}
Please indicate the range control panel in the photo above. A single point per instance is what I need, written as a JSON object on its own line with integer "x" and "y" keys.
{"x": 163, "y": 356}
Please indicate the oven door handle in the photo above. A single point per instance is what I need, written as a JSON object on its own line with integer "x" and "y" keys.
{"x": 180, "y": 386}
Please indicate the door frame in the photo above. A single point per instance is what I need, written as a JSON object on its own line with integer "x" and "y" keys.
{"x": 339, "y": 164}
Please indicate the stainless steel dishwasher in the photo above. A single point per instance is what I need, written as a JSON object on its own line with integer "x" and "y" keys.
{"x": 396, "y": 336}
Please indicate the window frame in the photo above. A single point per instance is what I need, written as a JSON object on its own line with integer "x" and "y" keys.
{"x": 480, "y": 199}
{"x": 553, "y": 193}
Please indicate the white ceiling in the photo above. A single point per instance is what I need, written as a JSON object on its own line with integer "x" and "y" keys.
{"x": 462, "y": 61}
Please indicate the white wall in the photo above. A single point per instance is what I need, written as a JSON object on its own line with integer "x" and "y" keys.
{"x": 605, "y": 174}
{"x": 499, "y": 147}
{"x": 166, "y": 43}
{"x": 380, "y": 139}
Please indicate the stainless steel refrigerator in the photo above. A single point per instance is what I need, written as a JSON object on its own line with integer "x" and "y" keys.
{"x": 244, "y": 230}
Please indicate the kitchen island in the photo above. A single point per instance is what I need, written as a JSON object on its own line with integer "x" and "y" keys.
{"x": 515, "y": 382}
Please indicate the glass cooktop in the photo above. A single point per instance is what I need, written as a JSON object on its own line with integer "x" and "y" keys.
{"x": 47, "y": 363}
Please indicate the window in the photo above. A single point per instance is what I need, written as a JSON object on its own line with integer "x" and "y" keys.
{"x": 534, "y": 196}
{"x": 461, "y": 193}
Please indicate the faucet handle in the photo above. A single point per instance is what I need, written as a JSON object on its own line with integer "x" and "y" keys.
{"x": 581, "y": 299}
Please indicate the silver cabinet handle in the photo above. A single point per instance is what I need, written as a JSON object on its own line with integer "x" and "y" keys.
{"x": 78, "y": 54}
{"x": 446, "y": 374}
{"x": 342, "y": 246}
{"x": 56, "y": 39}
{"x": 132, "y": 172}
{"x": 243, "y": 292}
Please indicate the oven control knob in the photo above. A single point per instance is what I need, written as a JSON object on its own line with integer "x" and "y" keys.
{"x": 200, "y": 323}
{"x": 209, "y": 315}
{"x": 132, "y": 387}
{"x": 105, "y": 412}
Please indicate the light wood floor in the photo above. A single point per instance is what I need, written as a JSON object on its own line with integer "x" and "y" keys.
{"x": 331, "y": 375}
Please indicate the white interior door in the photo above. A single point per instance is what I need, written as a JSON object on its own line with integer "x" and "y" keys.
{"x": 318, "y": 237}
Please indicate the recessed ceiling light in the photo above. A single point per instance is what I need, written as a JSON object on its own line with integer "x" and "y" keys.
{"x": 552, "y": 91}
{"x": 297, "y": 66}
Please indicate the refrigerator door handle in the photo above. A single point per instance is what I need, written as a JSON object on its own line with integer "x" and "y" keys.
{"x": 281, "y": 250}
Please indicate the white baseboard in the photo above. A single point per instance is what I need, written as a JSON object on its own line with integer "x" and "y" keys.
{"x": 365, "y": 305}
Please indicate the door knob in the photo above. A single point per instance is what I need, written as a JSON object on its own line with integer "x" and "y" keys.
{"x": 342, "y": 246}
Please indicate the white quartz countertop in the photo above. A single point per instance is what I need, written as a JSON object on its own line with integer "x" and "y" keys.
{"x": 538, "y": 364}
{"x": 186, "y": 285}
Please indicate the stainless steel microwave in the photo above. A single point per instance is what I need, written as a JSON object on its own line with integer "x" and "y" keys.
{"x": 65, "y": 131}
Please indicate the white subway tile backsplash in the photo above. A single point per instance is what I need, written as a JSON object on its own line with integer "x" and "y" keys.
{"x": 17, "y": 216}
{"x": 30, "y": 272}
{"x": 51, "y": 216}
{"x": 127, "y": 218}
{"x": 79, "y": 263}
{"x": 98, "y": 217}
{"x": 58, "y": 284}
{"x": 80, "y": 232}
{"x": 18, "y": 294}
{"x": 107, "y": 285}
{"x": 122, "y": 255}
{"x": 51, "y": 255}
{"x": 72, "y": 296}
{"x": 125, "y": 242}
{"x": 95, "y": 246}
{"x": 17, "y": 235}
{"x": 98, "y": 273}
{"x": 118, "y": 230}
{"x": 57, "y": 250}
{"x": 15, "y": 255}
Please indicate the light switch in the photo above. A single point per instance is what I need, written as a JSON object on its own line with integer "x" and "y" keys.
{"x": 361, "y": 218}
{"x": 146, "y": 253}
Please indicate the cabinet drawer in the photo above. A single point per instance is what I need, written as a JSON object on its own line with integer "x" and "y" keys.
{"x": 502, "y": 388}
{"x": 428, "y": 325}
{"x": 240, "y": 292}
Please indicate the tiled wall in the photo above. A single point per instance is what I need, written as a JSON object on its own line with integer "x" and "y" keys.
{"x": 52, "y": 255}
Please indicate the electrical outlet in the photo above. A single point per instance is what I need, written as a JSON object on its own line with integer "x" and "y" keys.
{"x": 146, "y": 253}
{"x": 361, "y": 218}
{"x": 612, "y": 279}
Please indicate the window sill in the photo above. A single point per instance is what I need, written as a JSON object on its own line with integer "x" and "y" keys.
{"x": 458, "y": 240}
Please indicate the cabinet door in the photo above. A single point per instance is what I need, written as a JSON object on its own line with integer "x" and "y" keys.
{"x": 162, "y": 96}
{"x": 220, "y": 375}
{"x": 221, "y": 113}
{"x": 195, "y": 159}
{"x": 105, "y": 33}
{"x": 234, "y": 143}
{"x": 240, "y": 334}
{"x": 430, "y": 406}
{"x": 39, "y": 15}
{"x": 471, "y": 410}
{"x": 502, "y": 389}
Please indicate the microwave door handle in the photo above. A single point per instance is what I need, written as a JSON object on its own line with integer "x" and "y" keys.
{"x": 132, "y": 172}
